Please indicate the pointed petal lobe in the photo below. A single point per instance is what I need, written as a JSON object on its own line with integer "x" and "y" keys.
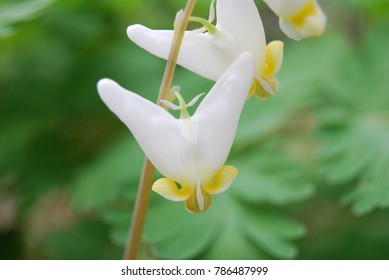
{"x": 198, "y": 51}
{"x": 156, "y": 131}
{"x": 218, "y": 114}
{"x": 284, "y": 8}
{"x": 274, "y": 57}
{"x": 169, "y": 190}
{"x": 222, "y": 180}
{"x": 241, "y": 20}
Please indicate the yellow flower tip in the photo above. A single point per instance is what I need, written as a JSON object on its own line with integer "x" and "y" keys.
{"x": 201, "y": 199}
{"x": 265, "y": 83}
{"x": 261, "y": 89}
{"x": 299, "y": 17}
{"x": 222, "y": 180}
{"x": 315, "y": 26}
{"x": 310, "y": 20}
{"x": 274, "y": 56}
{"x": 253, "y": 88}
{"x": 168, "y": 189}
{"x": 197, "y": 199}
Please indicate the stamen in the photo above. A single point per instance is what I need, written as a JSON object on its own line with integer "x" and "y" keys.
{"x": 181, "y": 104}
{"x": 195, "y": 99}
{"x": 170, "y": 105}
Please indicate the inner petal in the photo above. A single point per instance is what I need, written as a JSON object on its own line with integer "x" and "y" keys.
{"x": 199, "y": 201}
{"x": 192, "y": 205}
{"x": 263, "y": 87}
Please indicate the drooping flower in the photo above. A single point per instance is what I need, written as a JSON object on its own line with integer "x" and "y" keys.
{"x": 189, "y": 151}
{"x": 210, "y": 50}
{"x": 299, "y": 18}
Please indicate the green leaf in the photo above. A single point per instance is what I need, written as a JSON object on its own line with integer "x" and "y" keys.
{"x": 267, "y": 174}
{"x": 243, "y": 247}
{"x": 86, "y": 240}
{"x": 119, "y": 218}
{"x": 306, "y": 67}
{"x": 273, "y": 233}
{"x": 112, "y": 176}
{"x": 372, "y": 191}
{"x": 16, "y": 134}
{"x": 354, "y": 129}
{"x": 230, "y": 229}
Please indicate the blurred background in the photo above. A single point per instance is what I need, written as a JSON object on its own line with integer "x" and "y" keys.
{"x": 313, "y": 159}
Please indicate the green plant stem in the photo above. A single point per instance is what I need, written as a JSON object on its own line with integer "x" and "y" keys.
{"x": 146, "y": 180}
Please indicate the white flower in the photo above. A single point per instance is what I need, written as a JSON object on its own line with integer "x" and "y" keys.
{"x": 210, "y": 50}
{"x": 299, "y": 18}
{"x": 191, "y": 150}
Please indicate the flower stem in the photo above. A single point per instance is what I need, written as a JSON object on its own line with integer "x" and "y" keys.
{"x": 146, "y": 180}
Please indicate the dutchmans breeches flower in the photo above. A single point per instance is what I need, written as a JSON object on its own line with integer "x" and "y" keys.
{"x": 299, "y": 18}
{"x": 210, "y": 50}
{"x": 189, "y": 151}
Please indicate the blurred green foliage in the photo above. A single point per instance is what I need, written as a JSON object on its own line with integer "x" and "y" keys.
{"x": 313, "y": 159}
{"x": 354, "y": 127}
{"x": 12, "y": 13}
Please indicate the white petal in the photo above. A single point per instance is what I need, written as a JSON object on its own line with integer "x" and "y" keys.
{"x": 157, "y": 132}
{"x": 198, "y": 52}
{"x": 156, "y": 42}
{"x": 314, "y": 25}
{"x": 218, "y": 114}
{"x": 285, "y": 7}
{"x": 311, "y": 19}
{"x": 212, "y": 13}
{"x": 240, "y": 18}
{"x": 208, "y": 55}
{"x": 290, "y": 30}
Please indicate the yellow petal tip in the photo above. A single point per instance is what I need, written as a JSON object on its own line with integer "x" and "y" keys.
{"x": 169, "y": 190}
{"x": 222, "y": 179}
